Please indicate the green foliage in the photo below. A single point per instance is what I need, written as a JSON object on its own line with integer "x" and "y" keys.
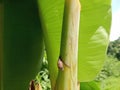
{"x": 45, "y": 80}
{"x": 110, "y": 68}
{"x": 108, "y": 79}
{"x": 111, "y": 83}
{"x": 109, "y": 76}
{"x": 43, "y": 75}
{"x": 114, "y": 49}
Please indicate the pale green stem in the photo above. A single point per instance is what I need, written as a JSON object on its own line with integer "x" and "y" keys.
{"x": 78, "y": 87}
{"x": 67, "y": 77}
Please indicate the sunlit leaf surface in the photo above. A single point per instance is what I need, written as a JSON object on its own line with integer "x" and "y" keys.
{"x": 51, "y": 15}
{"x": 93, "y": 37}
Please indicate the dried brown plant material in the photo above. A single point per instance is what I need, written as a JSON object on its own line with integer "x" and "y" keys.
{"x": 35, "y": 86}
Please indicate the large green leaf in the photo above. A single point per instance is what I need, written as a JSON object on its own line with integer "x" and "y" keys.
{"x": 23, "y": 44}
{"x": 93, "y": 37}
{"x": 51, "y": 14}
{"x": 93, "y": 40}
{"x": 1, "y": 22}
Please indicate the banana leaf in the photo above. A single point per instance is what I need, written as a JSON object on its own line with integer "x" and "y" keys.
{"x": 22, "y": 42}
{"x": 51, "y": 14}
{"x": 1, "y": 22}
{"x": 93, "y": 37}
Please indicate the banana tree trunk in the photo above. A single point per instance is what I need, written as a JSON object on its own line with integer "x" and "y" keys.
{"x": 23, "y": 44}
{"x": 67, "y": 63}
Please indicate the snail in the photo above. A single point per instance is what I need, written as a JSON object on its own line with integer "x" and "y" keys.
{"x": 60, "y": 64}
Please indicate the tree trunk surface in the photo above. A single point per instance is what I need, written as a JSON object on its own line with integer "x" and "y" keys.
{"x": 68, "y": 60}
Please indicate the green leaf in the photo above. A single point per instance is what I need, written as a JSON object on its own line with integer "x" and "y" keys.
{"x": 51, "y": 14}
{"x": 89, "y": 86}
{"x": 1, "y": 1}
{"x": 23, "y": 44}
{"x": 93, "y": 37}
{"x": 1, "y": 43}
